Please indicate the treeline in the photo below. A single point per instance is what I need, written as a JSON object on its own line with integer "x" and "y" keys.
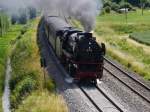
{"x": 21, "y": 17}
{"x": 24, "y": 15}
{"x": 137, "y": 3}
{"x": 4, "y": 23}
{"x": 130, "y": 5}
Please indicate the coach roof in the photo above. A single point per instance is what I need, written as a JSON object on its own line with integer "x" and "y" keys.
{"x": 57, "y": 23}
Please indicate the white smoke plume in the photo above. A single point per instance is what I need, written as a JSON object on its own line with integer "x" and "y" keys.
{"x": 83, "y": 10}
{"x": 13, "y": 6}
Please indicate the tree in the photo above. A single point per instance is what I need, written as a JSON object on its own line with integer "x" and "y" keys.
{"x": 117, "y": 1}
{"x": 32, "y": 12}
{"x": 4, "y": 23}
{"x": 23, "y": 16}
{"x": 107, "y": 9}
{"x": 125, "y": 4}
{"x": 134, "y": 2}
{"x": 14, "y": 19}
{"x": 115, "y": 7}
{"x": 107, "y": 3}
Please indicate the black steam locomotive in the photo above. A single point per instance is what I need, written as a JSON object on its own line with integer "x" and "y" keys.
{"x": 78, "y": 51}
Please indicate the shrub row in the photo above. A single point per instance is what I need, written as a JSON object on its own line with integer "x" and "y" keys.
{"x": 108, "y": 6}
{"x": 22, "y": 81}
{"x": 27, "y": 75}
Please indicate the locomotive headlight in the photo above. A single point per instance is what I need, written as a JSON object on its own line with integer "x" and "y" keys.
{"x": 75, "y": 65}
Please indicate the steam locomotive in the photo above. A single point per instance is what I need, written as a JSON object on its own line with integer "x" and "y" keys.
{"x": 78, "y": 51}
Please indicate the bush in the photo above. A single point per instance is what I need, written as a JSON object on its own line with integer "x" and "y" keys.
{"x": 146, "y": 3}
{"x": 14, "y": 19}
{"x": 107, "y": 9}
{"x": 116, "y": 1}
{"x": 126, "y": 5}
{"x": 24, "y": 30}
{"x": 23, "y": 16}
{"x": 23, "y": 88}
{"x": 43, "y": 102}
{"x": 107, "y": 4}
{"x": 102, "y": 12}
{"x": 32, "y": 12}
{"x": 115, "y": 7}
{"x": 18, "y": 78}
{"x": 50, "y": 84}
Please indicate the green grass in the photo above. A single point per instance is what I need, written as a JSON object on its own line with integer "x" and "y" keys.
{"x": 43, "y": 102}
{"x": 114, "y": 31}
{"x": 132, "y": 17}
{"x": 142, "y": 37}
{"x": 5, "y": 46}
{"x": 28, "y": 92}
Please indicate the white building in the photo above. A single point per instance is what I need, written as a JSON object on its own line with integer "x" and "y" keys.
{"x": 123, "y": 10}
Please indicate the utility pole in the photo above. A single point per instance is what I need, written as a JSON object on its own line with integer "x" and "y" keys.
{"x": 126, "y": 15}
{"x": 142, "y": 5}
{"x": 43, "y": 65}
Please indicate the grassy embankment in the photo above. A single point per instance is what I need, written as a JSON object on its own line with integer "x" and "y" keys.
{"x": 114, "y": 31}
{"x": 5, "y": 46}
{"x": 28, "y": 93}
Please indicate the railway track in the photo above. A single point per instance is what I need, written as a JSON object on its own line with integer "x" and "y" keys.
{"x": 100, "y": 99}
{"x": 118, "y": 106}
{"x": 129, "y": 81}
{"x": 86, "y": 94}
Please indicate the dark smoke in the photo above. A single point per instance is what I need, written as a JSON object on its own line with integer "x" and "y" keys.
{"x": 83, "y": 10}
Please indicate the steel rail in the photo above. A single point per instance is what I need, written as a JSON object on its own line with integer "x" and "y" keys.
{"x": 136, "y": 92}
{"x": 127, "y": 74}
{"x": 109, "y": 99}
{"x": 97, "y": 107}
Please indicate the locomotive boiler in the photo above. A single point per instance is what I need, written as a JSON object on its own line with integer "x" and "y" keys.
{"x": 78, "y": 51}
